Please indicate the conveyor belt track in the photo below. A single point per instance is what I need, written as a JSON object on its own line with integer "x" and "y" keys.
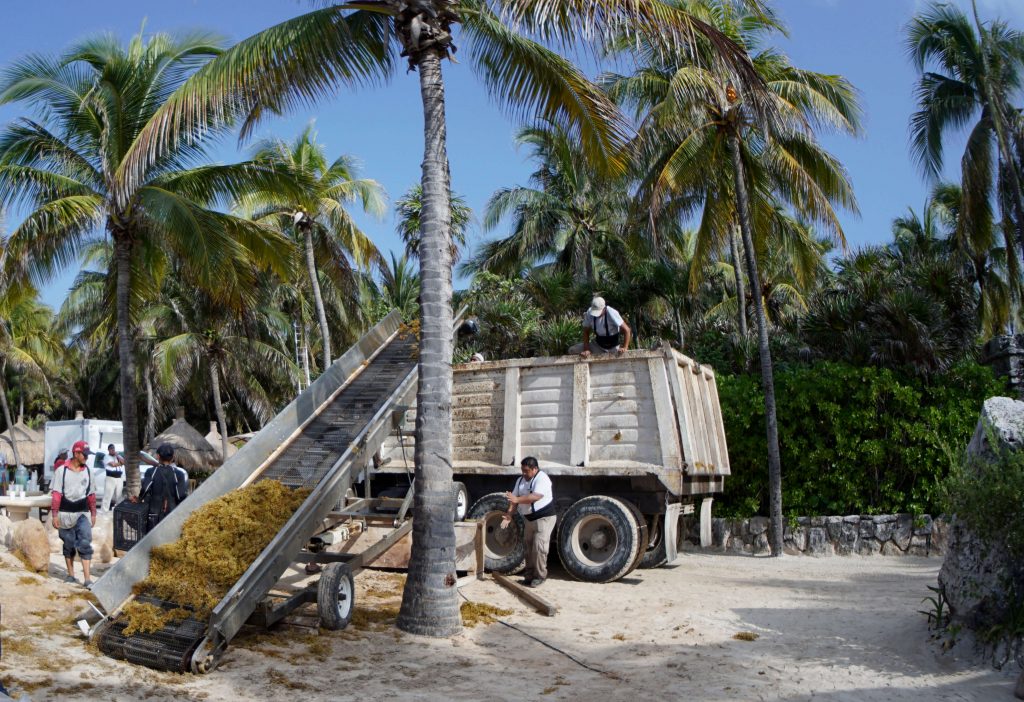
{"x": 320, "y": 455}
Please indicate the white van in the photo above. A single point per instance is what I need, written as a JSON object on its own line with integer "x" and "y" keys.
{"x": 99, "y": 433}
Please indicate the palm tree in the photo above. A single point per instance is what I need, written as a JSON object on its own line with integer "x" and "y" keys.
{"x": 69, "y": 167}
{"x": 986, "y": 263}
{"x": 704, "y": 142}
{"x": 976, "y": 69}
{"x": 407, "y": 210}
{"x": 229, "y": 340}
{"x": 400, "y": 288}
{"x": 571, "y": 214}
{"x": 319, "y": 220}
{"x": 27, "y": 343}
{"x": 350, "y": 44}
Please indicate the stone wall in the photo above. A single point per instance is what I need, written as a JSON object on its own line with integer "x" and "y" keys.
{"x": 865, "y": 535}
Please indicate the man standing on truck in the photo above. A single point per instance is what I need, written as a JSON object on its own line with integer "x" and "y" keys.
{"x": 73, "y": 496}
{"x": 534, "y": 497}
{"x": 605, "y": 323}
{"x": 114, "y": 466}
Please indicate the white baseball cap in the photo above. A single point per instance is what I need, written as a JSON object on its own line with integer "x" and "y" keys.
{"x": 597, "y": 306}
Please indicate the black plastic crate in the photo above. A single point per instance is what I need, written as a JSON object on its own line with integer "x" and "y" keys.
{"x": 130, "y": 524}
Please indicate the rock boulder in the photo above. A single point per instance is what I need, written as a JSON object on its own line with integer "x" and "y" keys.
{"x": 6, "y": 531}
{"x": 978, "y": 577}
{"x": 31, "y": 543}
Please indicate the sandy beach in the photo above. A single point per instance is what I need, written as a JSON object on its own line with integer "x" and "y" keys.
{"x": 834, "y": 629}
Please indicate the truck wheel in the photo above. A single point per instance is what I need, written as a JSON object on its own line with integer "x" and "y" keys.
{"x": 655, "y": 555}
{"x": 599, "y": 539}
{"x": 335, "y": 596}
{"x": 504, "y": 549}
{"x": 644, "y": 534}
{"x": 460, "y": 495}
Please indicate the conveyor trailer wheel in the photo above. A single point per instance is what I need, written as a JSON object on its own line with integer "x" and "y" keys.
{"x": 336, "y": 596}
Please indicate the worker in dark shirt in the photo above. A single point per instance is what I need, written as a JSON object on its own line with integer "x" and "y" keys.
{"x": 164, "y": 486}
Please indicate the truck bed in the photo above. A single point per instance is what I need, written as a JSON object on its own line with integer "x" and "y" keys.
{"x": 644, "y": 413}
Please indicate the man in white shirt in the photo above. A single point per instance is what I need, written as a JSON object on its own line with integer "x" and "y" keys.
{"x": 112, "y": 488}
{"x": 535, "y": 498}
{"x": 605, "y": 324}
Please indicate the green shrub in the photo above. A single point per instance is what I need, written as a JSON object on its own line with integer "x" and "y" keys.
{"x": 553, "y": 337}
{"x": 853, "y": 440}
{"x": 988, "y": 495}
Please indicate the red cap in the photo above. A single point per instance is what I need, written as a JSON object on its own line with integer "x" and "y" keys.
{"x": 82, "y": 446}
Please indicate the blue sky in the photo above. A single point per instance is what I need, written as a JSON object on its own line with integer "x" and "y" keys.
{"x": 860, "y": 39}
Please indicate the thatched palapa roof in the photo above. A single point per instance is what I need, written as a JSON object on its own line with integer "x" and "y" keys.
{"x": 30, "y": 445}
{"x": 213, "y": 438}
{"x": 191, "y": 451}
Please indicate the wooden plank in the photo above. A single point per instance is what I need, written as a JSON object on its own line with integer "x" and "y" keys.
{"x": 478, "y": 549}
{"x": 526, "y": 594}
{"x": 669, "y": 439}
{"x": 510, "y": 446}
{"x": 580, "y": 447}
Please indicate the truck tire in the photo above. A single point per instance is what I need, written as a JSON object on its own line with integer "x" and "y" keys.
{"x": 654, "y": 555}
{"x": 504, "y": 549}
{"x": 460, "y": 496}
{"x": 335, "y": 596}
{"x": 644, "y": 534}
{"x": 599, "y": 539}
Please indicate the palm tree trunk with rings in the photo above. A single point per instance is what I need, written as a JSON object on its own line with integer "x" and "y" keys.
{"x": 737, "y": 268}
{"x": 150, "y": 407}
{"x": 129, "y": 412}
{"x": 218, "y": 408}
{"x": 430, "y": 601}
{"x": 318, "y": 300}
{"x": 7, "y": 416}
{"x": 767, "y": 375}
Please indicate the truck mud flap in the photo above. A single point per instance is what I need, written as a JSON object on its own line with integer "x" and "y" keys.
{"x": 671, "y": 526}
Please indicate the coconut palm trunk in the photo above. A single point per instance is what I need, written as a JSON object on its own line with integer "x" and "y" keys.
{"x": 305, "y": 356}
{"x": 150, "y": 408}
{"x": 318, "y": 300}
{"x": 7, "y": 416}
{"x": 218, "y": 409}
{"x": 741, "y": 292}
{"x": 430, "y": 603}
{"x": 767, "y": 375}
{"x": 129, "y": 411}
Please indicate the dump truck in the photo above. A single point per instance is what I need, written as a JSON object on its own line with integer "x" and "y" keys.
{"x": 630, "y": 441}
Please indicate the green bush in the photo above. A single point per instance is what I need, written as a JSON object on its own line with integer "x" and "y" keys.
{"x": 553, "y": 337}
{"x": 988, "y": 495}
{"x": 853, "y": 440}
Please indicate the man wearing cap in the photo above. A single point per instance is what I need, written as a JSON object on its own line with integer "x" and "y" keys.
{"x": 164, "y": 486}
{"x": 114, "y": 466}
{"x": 605, "y": 323}
{"x": 74, "y": 495}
